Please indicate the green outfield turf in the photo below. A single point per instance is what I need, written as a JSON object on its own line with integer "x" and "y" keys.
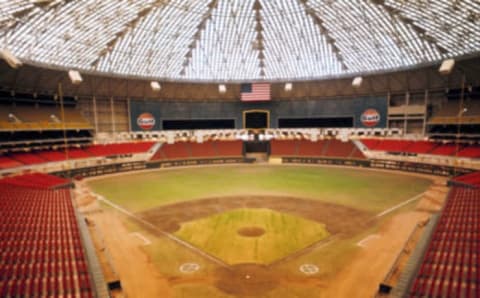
{"x": 365, "y": 190}
{"x": 282, "y": 235}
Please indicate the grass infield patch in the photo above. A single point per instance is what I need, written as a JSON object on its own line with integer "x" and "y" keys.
{"x": 283, "y": 234}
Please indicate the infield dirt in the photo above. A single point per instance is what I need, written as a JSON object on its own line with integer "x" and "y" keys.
{"x": 168, "y": 218}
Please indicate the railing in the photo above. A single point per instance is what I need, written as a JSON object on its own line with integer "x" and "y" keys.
{"x": 43, "y": 125}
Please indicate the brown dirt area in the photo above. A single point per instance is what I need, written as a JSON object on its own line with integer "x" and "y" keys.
{"x": 137, "y": 274}
{"x": 251, "y": 231}
{"x": 168, "y": 218}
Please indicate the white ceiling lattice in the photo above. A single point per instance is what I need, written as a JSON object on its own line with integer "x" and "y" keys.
{"x": 238, "y": 40}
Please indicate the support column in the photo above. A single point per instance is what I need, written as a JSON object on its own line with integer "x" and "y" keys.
{"x": 112, "y": 111}
{"x": 129, "y": 111}
{"x": 95, "y": 116}
{"x": 405, "y": 115}
{"x": 424, "y": 128}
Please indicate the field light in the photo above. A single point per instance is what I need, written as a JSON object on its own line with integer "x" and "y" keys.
{"x": 446, "y": 67}
{"x": 155, "y": 86}
{"x": 288, "y": 87}
{"x": 75, "y": 77}
{"x": 357, "y": 82}
{"x": 222, "y": 88}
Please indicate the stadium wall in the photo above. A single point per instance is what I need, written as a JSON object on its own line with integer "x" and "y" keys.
{"x": 211, "y": 110}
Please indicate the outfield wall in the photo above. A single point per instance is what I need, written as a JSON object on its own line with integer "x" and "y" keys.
{"x": 431, "y": 169}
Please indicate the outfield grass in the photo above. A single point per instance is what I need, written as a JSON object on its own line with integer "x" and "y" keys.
{"x": 284, "y": 234}
{"x": 365, "y": 190}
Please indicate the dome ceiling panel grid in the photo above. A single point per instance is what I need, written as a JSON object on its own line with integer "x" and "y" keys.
{"x": 238, "y": 40}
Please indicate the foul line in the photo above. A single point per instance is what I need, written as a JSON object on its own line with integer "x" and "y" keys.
{"x": 361, "y": 243}
{"x": 138, "y": 235}
{"x": 400, "y": 205}
{"x": 169, "y": 236}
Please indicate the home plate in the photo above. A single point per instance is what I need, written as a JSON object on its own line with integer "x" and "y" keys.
{"x": 363, "y": 242}
{"x": 141, "y": 237}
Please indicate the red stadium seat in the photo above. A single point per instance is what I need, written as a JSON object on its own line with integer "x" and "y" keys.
{"x": 32, "y": 263}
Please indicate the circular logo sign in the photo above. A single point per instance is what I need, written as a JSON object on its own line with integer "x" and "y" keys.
{"x": 146, "y": 121}
{"x": 370, "y": 118}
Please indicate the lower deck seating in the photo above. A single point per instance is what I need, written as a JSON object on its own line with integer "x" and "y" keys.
{"x": 338, "y": 148}
{"x": 173, "y": 151}
{"x": 451, "y": 263}
{"x": 423, "y": 147}
{"x": 308, "y": 148}
{"x": 36, "y": 180}
{"x": 41, "y": 251}
{"x": 209, "y": 149}
{"x": 420, "y": 147}
{"x": 52, "y": 155}
{"x": 229, "y": 148}
{"x": 7, "y": 162}
{"x": 205, "y": 149}
{"x": 28, "y": 158}
{"x": 472, "y": 151}
{"x": 322, "y": 148}
{"x": 14, "y": 160}
{"x": 393, "y": 145}
{"x": 77, "y": 153}
{"x": 445, "y": 149}
{"x": 471, "y": 179}
{"x": 119, "y": 149}
{"x": 283, "y": 147}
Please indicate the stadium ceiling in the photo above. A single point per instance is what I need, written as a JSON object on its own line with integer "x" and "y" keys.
{"x": 238, "y": 40}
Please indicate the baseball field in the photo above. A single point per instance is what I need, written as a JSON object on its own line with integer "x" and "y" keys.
{"x": 254, "y": 230}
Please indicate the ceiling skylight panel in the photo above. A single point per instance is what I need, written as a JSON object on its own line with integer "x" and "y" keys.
{"x": 390, "y": 33}
{"x": 303, "y": 49}
{"x": 219, "y": 41}
{"x": 368, "y": 40}
{"x": 278, "y": 44}
{"x": 157, "y": 35}
{"x": 443, "y": 22}
{"x": 8, "y": 8}
{"x": 314, "y": 38}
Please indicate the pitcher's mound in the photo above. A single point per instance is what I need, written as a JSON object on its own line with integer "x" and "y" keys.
{"x": 251, "y": 231}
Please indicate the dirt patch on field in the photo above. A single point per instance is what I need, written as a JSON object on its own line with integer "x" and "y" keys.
{"x": 246, "y": 279}
{"x": 134, "y": 268}
{"x": 251, "y": 231}
{"x": 338, "y": 218}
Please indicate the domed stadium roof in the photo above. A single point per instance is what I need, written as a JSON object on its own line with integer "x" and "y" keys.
{"x": 238, "y": 40}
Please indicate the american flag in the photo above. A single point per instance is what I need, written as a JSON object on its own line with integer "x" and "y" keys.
{"x": 255, "y": 92}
